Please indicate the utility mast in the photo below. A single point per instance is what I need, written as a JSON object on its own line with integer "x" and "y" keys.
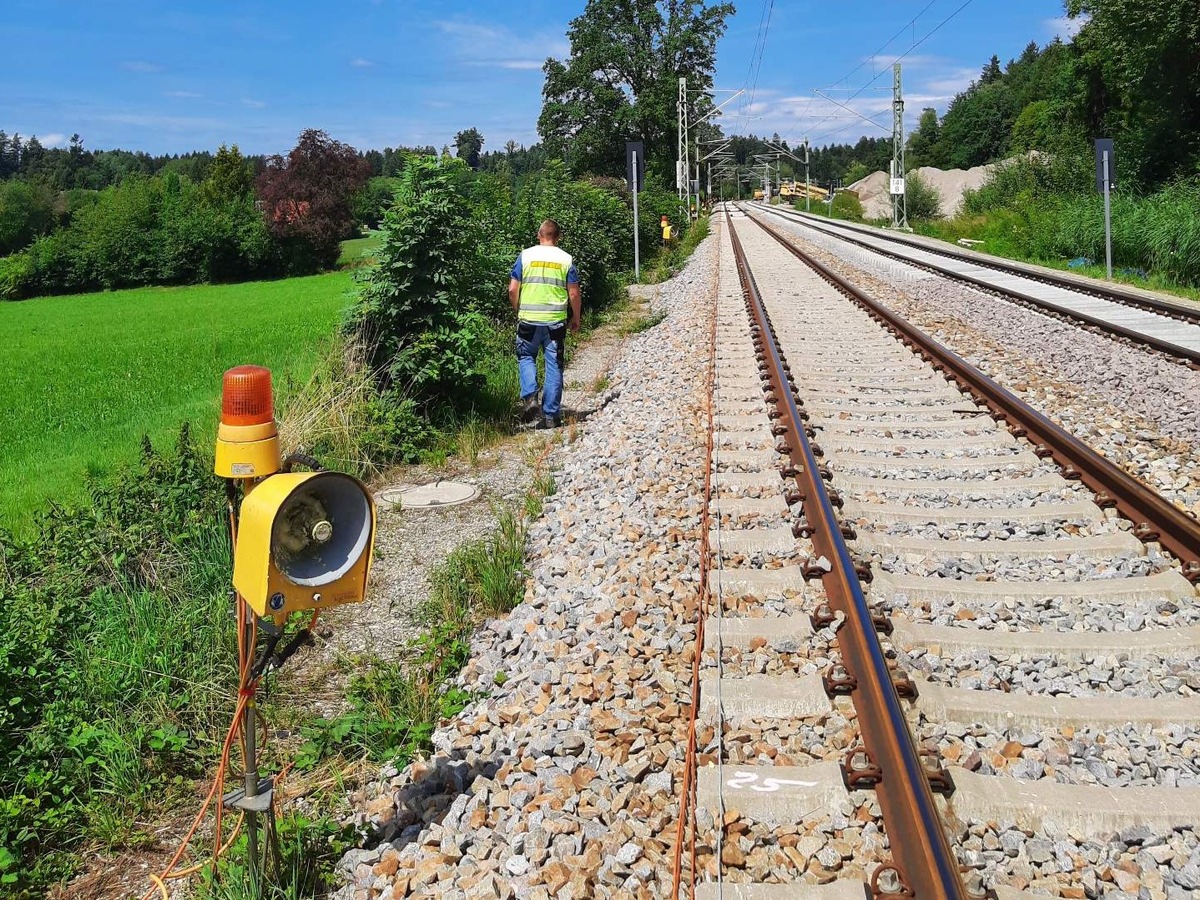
{"x": 807, "y": 181}
{"x": 899, "y": 200}
{"x": 682, "y": 167}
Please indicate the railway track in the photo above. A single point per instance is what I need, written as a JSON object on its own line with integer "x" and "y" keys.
{"x": 1170, "y": 328}
{"x": 948, "y": 653}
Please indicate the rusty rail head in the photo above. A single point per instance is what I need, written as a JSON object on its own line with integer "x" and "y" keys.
{"x": 924, "y": 864}
{"x": 1176, "y": 351}
{"x": 1153, "y": 517}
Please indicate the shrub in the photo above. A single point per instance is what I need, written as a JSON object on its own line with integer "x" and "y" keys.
{"x": 418, "y": 307}
{"x": 846, "y": 205}
{"x": 922, "y": 200}
{"x": 597, "y": 228}
{"x": 146, "y": 231}
{"x": 26, "y": 212}
{"x": 99, "y": 613}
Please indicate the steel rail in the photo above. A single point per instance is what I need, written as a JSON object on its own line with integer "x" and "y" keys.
{"x": 1192, "y": 357}
{"x": 1179, "y": 310}
{"x": 923, "y": 862}
{"x": 1154, "y": 517}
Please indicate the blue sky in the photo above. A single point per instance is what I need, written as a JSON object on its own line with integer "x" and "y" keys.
{"x": 178, "y": 76}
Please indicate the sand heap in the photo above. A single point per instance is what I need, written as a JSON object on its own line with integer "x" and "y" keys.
{"x": 949, "y": 184}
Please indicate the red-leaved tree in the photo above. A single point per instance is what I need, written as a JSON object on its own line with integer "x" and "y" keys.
{"x": 306, "y": 198}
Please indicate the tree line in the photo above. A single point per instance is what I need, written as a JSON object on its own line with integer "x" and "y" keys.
{"x": 232, "y": 225}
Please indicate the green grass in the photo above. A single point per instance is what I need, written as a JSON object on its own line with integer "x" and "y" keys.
{"x": 84, "y": 377}
{"x": 360, "y": 251}
{"x": 1005, "y": 234}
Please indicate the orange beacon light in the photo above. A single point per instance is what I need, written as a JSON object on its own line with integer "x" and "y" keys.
{"x": 247, "y": 439}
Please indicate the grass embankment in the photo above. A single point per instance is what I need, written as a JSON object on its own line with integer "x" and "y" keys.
{"x": 1036, "y": 214}
{"x": 85, "y": 377}
{"x": 671, "y": 259}
{"x": 1008, "y": 234}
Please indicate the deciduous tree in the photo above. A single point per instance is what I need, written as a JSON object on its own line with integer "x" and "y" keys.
{"x": 620, "y": 81}
{"x": 468, "y": 145}
{"x": 307, "y": 197}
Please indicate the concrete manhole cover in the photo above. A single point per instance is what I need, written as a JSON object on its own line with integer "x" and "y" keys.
{"x": 425, "y": 496}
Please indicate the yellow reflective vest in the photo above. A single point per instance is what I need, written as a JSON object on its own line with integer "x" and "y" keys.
{"x": 544, "y": 285}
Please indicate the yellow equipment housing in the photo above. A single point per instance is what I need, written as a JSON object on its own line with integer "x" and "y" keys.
{"x": 247, "y": 451}
{"x": 305, "y": 541}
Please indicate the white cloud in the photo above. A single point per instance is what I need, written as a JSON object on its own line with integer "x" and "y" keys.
{"x": 182, "y": 95}
{"x": 53, "y": 140}
{"x": 484, "y": 44}
{"x": 945, "y": 86}
{"x": 361, "y": 63}
{"x": 163, "y": 123}
{"x": 1064, "y": 27}
{"x": 253, "y": 104}
{"x": 141, "y": 66}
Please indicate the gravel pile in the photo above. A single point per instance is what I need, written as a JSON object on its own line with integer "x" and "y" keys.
{"x": 1050, "y": 530}
{"x": 986, "y": 471}
{"x": 989, "y": 567}
{"x": 561, "y": 779}
{"x": 934, "y": 497}
{"x": 1131, "y": 864}
{"x": 1049, "y": 612}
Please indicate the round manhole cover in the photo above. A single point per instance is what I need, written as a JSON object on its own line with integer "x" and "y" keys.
{"x": 424, "y": 496}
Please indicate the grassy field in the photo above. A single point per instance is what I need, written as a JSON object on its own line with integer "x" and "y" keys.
{"x": 360, "y": 251}
{"x": 84, "y": 377}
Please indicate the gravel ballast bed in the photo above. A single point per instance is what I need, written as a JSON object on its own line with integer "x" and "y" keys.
{"x": 1132, "y": 405}
{"x": 561, "y": 780}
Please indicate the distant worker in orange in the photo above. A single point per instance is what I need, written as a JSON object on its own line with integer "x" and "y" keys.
{"x": 542, "y": 285}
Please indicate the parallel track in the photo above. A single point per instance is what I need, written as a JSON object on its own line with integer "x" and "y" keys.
{"x": 1167, "y": 327}
{"x": 878, "y": 409}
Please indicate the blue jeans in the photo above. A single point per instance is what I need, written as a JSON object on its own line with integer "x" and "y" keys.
{"x": 552, "y": 340}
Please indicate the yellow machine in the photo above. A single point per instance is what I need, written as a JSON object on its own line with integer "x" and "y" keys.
{"x": 304, "y": 542}
{"x": 758, "y": 195}
{"x": 304, "y": 539}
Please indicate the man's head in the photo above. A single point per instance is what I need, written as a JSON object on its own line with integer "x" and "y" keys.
{"x": 549, "y": 233}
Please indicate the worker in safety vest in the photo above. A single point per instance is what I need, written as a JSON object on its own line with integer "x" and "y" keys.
{"x": 665, "y": 224}
{"x": 544, "y": 292}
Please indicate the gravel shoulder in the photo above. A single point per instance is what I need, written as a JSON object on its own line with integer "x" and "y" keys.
{"x": 560, "y": 779}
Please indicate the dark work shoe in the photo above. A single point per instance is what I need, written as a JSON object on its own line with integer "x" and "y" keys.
{"x": 529, "y": 407}
{"x": 549, "y": 422}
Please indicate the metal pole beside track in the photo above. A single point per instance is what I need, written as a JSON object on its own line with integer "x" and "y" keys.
{"x": 1107, "y": 219}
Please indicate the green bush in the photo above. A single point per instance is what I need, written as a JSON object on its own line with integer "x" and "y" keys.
{"x": 846, "y": 205}
{"x": 1026, "y": 180}
{"x": 146, "y": 231}
{"x": 922, "y": 200}
{"x": 116, "y": 649}
{"x": 597, "y": 229}
{"x": 372, "y": 200}
{"x": 26, "y": 212}
{"x": 418, "y": 307}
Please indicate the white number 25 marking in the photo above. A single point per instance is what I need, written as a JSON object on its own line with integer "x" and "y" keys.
{"x": 769, "y": 785}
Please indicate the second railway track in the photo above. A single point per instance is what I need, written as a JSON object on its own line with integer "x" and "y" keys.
{"x": 1045, "y": 644}
{"x": 1171, "y": 328}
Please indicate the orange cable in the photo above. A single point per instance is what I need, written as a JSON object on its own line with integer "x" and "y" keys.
{"x": 703, "y": 599}
{"x": 217, "y": 782}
